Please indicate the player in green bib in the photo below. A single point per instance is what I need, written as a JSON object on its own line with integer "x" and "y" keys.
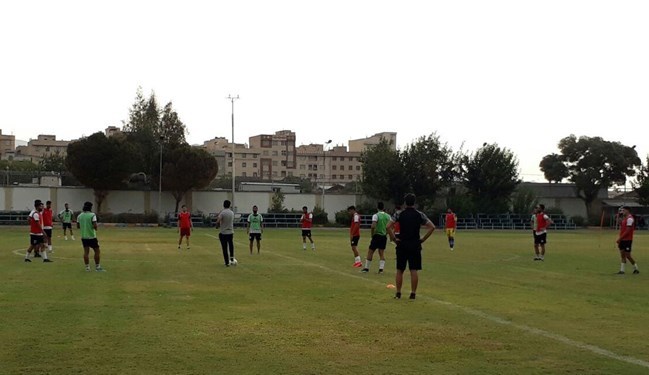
{"x": 67, "y": 217}
{"x": 87, "y": 223}
{"x": 379, "y": 239}
{"x": 255, "y": 228}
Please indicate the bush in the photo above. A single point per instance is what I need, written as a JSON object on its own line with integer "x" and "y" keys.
{"x": 579, "y": 221}
{"x": 343, "y": 218}
{"x": 319, "y": 216}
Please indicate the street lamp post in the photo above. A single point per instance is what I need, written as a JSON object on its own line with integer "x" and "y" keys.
{"x": 324, "y": 171}
{"x": 160, "y": 180}
{"x": 232, "y": 99}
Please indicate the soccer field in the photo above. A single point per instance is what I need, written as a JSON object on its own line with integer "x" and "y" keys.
{"x": 485, "y": 308}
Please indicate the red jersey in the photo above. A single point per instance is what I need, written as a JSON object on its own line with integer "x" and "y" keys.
{"x": 627, "y": 226}
{"x": 306, "y": 220}
{"x": 541, "y": 222}
{"x": 355, "y": 228}
{"x": 184, "y": 220}
{"x": 47, "y": 218}
{"x": 35, "y": 223}
{"x": 450, "y": 222}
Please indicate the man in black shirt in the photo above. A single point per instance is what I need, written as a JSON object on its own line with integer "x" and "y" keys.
{"x": 409, "y": 242}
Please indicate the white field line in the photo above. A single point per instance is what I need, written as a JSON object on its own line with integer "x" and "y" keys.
{"x": 21, "y": 253}
{"x": 492, "y": 318}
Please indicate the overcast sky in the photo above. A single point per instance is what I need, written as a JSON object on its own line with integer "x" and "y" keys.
{"x": 523, "y": 74}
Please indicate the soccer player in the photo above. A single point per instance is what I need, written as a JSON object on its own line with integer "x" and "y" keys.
{"x": 67, "y": 216}
{"x": 87, "y": 224}
{"x": 355, "y": 234}
{"x": 306, "y": 221}
{"x": 625, "y": 240}
{"x": 47, "y": 215}
{"x": 255, "y": 228}
{"x": 225, "y": 223}
{"x": 36, "y": 233}
{"x": 185, "y": 226}
{"x": 409, "y": 243}
{"x": 450, "y": 225}
{"x": 379, "y": 239}
{"x": 541, "y": 223}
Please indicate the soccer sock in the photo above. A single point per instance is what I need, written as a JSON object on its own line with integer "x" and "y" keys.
{"x": 451, "y": 242}
{"x": 622, "y": 267}
{"x": 72, "y": 238}
{"x": 26, "y": 254}
{"x": 313, "y": 245}
{"x": 66, "y": 238}
{"x": 367, "y": 263}
{"x": 97, "y": 265}
{"x": 357, "y": 259}
{"x": 44, "y": 255}
{"x": 303, "y": 245}
{"x": 635, "y": 266}
{"x": 381, "y": 264}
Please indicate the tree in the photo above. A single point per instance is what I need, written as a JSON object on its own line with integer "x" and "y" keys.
{"x": 642, "y": 185}
{"x": 429, "y": 167}
{"x": 524, "y": 200}
{"x": 553, "y": 168}
{"x": 490, "y": 175}
{"x": 148, "y": 128}
{"x": 306, "y": 186}
{"x": 383, "y": 173}
{"x": 186, "y": 168}
{"x": 100, "y": 163}
{"x": 54, "y": 162}
{"x": 277, "y": 202}
{"x": 595, "y": 164}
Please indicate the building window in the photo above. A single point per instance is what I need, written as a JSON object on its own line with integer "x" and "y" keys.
{"x": 283, "y": 173}
{"x": 283, "y": 163}
{"x": 243, "y": 165}
{"x": 243, "y": 174}
{"x": 243, "y": 156}
{"x": 342, "y": 176}
{"x": 358, "y": 167}
{"x": 254, "y": 156}
{"x": 254, "y": 165}
{"x": 283, "y": 152}
{"x": 351, "y": 158}
{"x": 334, "y": 158}
{"x": 333, "y": 167}
{"x": 333, "y": 177}
{"x": 350, "y": 168}
{"x": 254, "y": 174}
{"x": 229, "y": 164}
{"x": 290, "y": 173}
{"x": 351, "y": 177}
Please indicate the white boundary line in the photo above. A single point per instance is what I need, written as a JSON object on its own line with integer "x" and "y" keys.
{"x": 492, "y": 318}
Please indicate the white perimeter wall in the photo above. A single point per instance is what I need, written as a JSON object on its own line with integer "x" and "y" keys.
{"x": 120, "y": 201}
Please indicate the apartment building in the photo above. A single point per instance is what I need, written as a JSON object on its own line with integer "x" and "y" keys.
{"x": 41, "y": 147}
{"x": 358, "y": 145}
{"x": 7, "y": 145}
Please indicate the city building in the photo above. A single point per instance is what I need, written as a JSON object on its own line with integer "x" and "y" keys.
{"x": 7, "y": 145}
{"x": 359, "y": 145}
{"x": 41, "y": 147}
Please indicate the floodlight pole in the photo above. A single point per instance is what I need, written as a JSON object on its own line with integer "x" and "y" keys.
{"x": 232, "y": 99}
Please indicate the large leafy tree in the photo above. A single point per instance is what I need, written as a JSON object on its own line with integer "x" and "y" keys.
{"x": 149, "y": 128}
{"x": 383, "y": 173}
{"x": 100, "y": 163}
{"x": 553, "y": 168}
{"x": 642, "y": 185}
{"x": 490, "y": 176}
{"x": 429, "y": 167}
{"x": 595, "y": 164}
{"x": 186, "y": 168}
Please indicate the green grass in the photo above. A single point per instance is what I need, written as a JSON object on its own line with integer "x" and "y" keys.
{"x": 485, "y": 308}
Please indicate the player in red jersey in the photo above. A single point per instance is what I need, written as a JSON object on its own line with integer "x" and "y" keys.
{"x": 185, "y": 226}
{"x": 541, "y": 223}
{"x": 355, "y": 234}
{"x": 36, "y": 234}
{"x": 306, "y": 221}
{"x": 48, "y": 217}
{"x": 625, "y": 239}
{"x": 450, "y": 225}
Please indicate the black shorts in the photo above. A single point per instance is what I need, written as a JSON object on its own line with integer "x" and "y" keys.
{"x": 540, "y": 239}
{"x": 254, "y": 236}
{"x": 90, "y": 242}
{"x": 35, "y": 239}
{"x": 48, "y": 232}
{"x": 354, "y": 240}
{"x": 625, "y": 245}
{"x": 67, "y": 226}
{"x": 378, "y": 242}
{"x": 410, "y": 257}
{"x": 306, "y": 233}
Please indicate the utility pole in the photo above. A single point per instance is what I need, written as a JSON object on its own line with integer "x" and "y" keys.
{"x": 232, "y": 99}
